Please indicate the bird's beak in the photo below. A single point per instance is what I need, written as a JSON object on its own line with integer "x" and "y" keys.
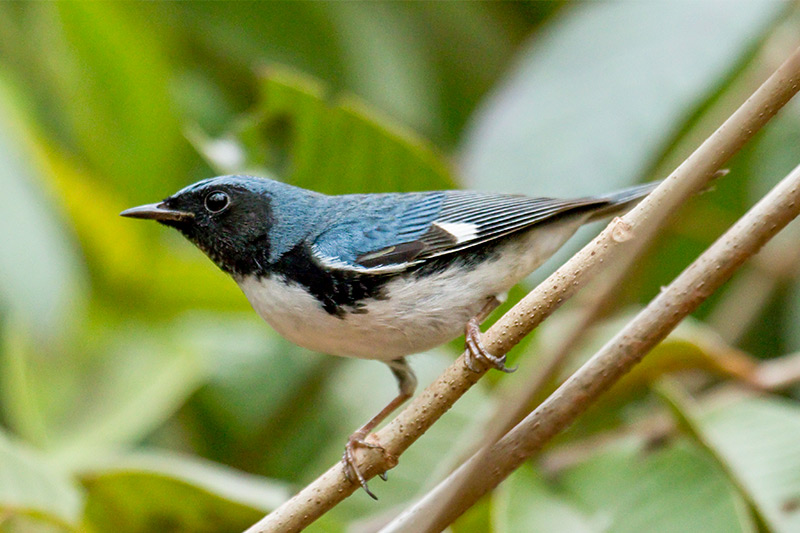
{"x": 156, "y": 212}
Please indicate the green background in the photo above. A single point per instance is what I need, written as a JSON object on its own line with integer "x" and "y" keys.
{"x": 138, "y": 390}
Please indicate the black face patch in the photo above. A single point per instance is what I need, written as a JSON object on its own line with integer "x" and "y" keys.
{"x": 230, "y": 225}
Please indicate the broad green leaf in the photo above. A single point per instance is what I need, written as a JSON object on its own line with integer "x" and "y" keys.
{"x": 678, "y": 488}
{"x": 525, "y": 502}
{"x": 413, "y": 72}
{"x": 20, "y": 398}
{"x": 756, "y": 440}
{"x": 330, "y": 144}
{"x": 157, "y": 491}
{"x": 41, "y": 276}
{"x": 30, "y": 485}
{"x": 115, "y": 87}
{"x": 402, "y": 85}
{"x": 602, "y": 89}
{"x": 142, "y": 380}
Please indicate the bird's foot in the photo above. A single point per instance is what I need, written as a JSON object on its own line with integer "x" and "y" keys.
{"x": 477, "y": 352}
{"x": 351, "y": 471}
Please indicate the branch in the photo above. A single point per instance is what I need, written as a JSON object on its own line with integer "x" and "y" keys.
{"x": 715, "y": 266}
{"x": 692, "y": 176}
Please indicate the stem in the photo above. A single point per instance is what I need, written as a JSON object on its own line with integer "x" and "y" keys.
{"x": 715, "y": 266}
{"x": 691, "y": 176}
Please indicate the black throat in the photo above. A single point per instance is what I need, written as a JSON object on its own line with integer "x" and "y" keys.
{"x": 339, "y": 291}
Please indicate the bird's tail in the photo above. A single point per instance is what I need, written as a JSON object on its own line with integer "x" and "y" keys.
{"x": 621, "y": 201}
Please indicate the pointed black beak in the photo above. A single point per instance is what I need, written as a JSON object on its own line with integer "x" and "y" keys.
{"x": 156, "y": 212}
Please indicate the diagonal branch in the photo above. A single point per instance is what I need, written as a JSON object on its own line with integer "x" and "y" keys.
{"x": 704, "y": 276}
{"x": 692, "y": 176}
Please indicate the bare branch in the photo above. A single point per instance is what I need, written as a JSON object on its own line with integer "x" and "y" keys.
{"x": 617, "y": 357}
{"x": 692, "y": 176}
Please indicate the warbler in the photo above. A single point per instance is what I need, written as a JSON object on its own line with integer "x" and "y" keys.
{"x": 376, "y": 276}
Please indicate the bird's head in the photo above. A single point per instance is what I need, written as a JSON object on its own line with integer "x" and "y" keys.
{"x": 230, "y": 218}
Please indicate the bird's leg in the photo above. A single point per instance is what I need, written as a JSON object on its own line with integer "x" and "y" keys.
{"x": 474, "y": 346}
{"x": 406, "y": 382}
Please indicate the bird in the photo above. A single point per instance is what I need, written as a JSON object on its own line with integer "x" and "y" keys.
{"x": 377, "y": 276}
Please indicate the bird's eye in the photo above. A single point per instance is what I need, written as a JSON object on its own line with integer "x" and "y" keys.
{"x": 217, "y": 201}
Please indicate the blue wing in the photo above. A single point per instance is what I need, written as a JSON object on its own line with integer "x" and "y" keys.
{"x": 365, "y": 224}
{"x": 392, "y": 232}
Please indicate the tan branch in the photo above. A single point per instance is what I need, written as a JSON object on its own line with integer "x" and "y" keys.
{"x": 693, "y": 175}
{"x": 617, "y": 357}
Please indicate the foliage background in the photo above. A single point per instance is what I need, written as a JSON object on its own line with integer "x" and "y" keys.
{"x": 139, "y": 392}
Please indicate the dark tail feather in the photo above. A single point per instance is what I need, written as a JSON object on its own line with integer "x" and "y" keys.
{"x": 621, "y": 201}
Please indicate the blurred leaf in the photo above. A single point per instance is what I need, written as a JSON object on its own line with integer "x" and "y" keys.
{"x": 476, "y": 518}
{"x": 413, "y": 73}
{"x": 691, "y": 345}
{"x": 774, "y": 153}
{"x": 115, "y": 81}
{"x": 391, "y": 68}
{"x": 260, "y": 390}
{"x": 525, "y": 502}
{"x": 41, "y": 279}
{"x": 755, "y": 439}
{"x": 589, "y": 104}
{"x": 19, "y": 399}
{"x": 330, "y": 145}
{"x": 626, "y": 488}
{"x": 29, "y": 485}
{"x": 139, "y": 385}
{"x": 154, "y": 270}
{"x": 772, "y": 157}
{"x": 153, "y": 491}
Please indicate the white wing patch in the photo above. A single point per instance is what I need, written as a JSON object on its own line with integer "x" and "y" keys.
{"x": 461, "y": 231}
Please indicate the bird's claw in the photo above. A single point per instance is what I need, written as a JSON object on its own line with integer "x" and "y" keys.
{"x": 351, "y": 471}
{"x": 476, "y": 351}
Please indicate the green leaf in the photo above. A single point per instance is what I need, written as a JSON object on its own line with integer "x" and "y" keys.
{"x": 603, "y": 88}
{"x": 114, "y": 84}
{"x": 525, "y": 502}
{"x": 41, "y": 277}
{"x": 20, "y": 397}
{"x": 260, "y": 391}
{"x": 29, "y": 485}
{"x": 401, "y": 54}
{"x": 154, "y": 491}
{"x": 142, "y": 382}
{"x": 692, "y": 345}
{"x": 628, "y": 488}
{"x": 756, "y": 440}
{"x": 329, "y": 144}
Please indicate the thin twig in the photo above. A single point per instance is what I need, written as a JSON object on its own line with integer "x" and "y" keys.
{"x": 704, "y": 276}
{"x": 692, "y": 176}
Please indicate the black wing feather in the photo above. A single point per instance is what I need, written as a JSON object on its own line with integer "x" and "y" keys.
{"x": 491, "y": 217}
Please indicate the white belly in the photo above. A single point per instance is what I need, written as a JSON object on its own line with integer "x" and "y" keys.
{"x": 414, "y": 316}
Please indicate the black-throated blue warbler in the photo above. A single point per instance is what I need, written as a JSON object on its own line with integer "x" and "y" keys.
{"x": 376, "y": 276}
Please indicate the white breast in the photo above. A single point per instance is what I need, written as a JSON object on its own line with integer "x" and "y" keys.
{"x": 415, "y": 315}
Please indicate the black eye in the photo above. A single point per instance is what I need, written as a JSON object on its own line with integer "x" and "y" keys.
{"x": 217, "y": 201}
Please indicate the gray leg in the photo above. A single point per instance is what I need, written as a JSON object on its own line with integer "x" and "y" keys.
{"x": 476, "y": 351}
{"x": 407, "y": 383}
